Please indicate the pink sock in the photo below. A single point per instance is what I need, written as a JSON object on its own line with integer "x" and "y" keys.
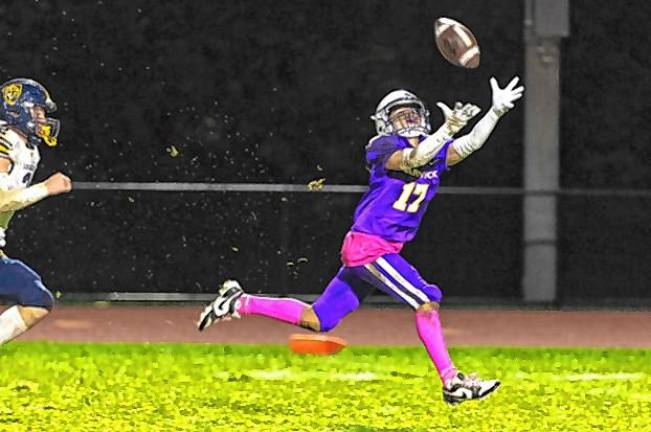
{"x": 284, "y": 309}
{"x": 431, "y": 333}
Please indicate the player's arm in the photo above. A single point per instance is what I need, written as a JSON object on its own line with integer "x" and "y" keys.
{"x": 17, "y": 199}
{"x": 455, "y": 120}
{"x": 503, "y": 100}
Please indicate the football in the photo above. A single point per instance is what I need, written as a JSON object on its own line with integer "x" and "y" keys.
{"x": 456, "y": 43}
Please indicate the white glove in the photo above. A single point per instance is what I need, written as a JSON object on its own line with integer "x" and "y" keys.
{"x": 503, "y": 98}
{"x": 502, "y": 102}
{"x": 456, "y": 119}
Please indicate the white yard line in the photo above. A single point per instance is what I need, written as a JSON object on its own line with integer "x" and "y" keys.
{"x": 604, "y": 377}
{"x": 292, "y": 375}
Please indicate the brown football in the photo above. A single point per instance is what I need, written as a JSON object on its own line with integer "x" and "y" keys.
{"x": 456, "y": 43}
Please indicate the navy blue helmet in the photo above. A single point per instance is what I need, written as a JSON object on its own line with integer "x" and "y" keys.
{"x": 19, "y": 98}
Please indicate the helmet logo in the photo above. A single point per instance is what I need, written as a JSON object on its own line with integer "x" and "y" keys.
{"x": 11, "y": 93}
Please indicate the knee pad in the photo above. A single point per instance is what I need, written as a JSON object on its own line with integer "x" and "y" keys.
{"x": 338, "y": 300}
{"x": 328, "y": 318}
{"x": 328, "y": 325}
{"x": 433, "y": 293}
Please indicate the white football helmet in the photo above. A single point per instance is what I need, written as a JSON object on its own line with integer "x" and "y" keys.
{"x": 398, "y": 98}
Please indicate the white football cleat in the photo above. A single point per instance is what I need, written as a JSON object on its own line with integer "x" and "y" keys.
{"x": 224, "y": 305}
{"x": 462, "y": 388}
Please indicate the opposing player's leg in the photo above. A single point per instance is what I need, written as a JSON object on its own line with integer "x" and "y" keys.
{"x": 341, "y": 297}
{"x": 20, "y": 284}
{"x": 392, "y": 274}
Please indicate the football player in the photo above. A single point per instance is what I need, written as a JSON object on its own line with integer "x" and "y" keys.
{"x": 23, "y": 126}
{"x": 406, "y": 162}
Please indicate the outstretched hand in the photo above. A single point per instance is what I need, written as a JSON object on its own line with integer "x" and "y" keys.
{"x": 503, "y": 98}
{"x": 456, "y": 118}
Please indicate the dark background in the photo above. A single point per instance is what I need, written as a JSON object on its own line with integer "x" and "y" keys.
{"x": 281, "y": 93}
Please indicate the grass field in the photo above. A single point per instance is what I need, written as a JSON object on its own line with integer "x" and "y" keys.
{"x": 170, "y": 387}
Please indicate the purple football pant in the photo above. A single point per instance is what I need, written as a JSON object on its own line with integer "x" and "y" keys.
{"x": 390, "y": 273}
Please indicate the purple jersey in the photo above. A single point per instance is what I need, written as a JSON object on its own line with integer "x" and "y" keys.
{"x": 395, "y": 203}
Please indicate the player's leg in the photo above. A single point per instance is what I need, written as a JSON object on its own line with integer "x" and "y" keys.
{"x": 394, "y": 275}
{"x": 342, "y": 296}
{"x": 338, "y": 300}
{"x": 231, "y": 301}
{"x": 20, "y": 284}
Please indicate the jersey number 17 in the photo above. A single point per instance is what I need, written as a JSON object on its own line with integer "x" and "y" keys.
{"x": 417, "y": 189}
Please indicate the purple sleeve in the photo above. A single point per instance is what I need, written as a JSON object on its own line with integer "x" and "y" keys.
{"x": 441, "y": 157}
{"x": 379, "y": 150}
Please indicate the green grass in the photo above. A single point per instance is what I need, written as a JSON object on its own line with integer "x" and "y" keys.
{"x": 166, "y": 387}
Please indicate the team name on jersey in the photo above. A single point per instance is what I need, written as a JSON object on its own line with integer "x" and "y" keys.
{"x": 429, "y": 175}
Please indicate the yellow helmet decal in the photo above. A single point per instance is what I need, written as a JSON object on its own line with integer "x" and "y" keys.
{"x": 45, "y": 131}
{"x": 11, "y": 93}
